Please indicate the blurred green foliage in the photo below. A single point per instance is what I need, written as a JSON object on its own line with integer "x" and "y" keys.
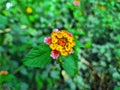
{"x": 95, "y": 23}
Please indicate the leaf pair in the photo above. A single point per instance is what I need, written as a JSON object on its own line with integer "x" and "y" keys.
{"x": 40, "y": 57}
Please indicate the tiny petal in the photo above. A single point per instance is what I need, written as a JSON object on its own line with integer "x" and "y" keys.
{"x": 54, "y": 54}
{"x": 70, "y": 34}
{"x": 47, "y": 40}
{"x": 76, "y": 2}
{"x": 71, "y": 51}
{"x": 56, "y": 30}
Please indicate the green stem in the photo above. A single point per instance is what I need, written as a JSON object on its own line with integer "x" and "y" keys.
{"x": 18, "y": 69}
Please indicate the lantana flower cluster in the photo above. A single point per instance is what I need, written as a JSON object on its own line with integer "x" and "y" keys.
{"x": 3, "y": 72}
{"x": 61, "y": 43}
{"x": 76, "y": 2}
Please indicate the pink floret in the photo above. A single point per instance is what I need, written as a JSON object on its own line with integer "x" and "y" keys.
{"x": 56, "y": 30}
{"x": 70, "y": 34}
{"x": 47, "y": 40}
{"x": 54, "y": 54}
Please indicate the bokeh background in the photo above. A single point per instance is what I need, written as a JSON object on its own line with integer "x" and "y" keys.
{"x": 95, "y": 23}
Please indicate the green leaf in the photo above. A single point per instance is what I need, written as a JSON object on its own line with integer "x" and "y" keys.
{"x": 70, "y": 64}
{"x": 6, "y": 78}
{"x": 3, "y": 22}
{"x": 77, "y": 32}
{"x": 88, "y": 44}
{"x": 117, "y": 88}
{"x": 116, "y": 75}
{"x": 38, "y": 56}
{"x": 78, "y": 44}
{"x": 1, "y": 38}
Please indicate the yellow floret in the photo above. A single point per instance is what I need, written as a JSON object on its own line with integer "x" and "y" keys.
{"x": 59, "y": 48}
{"x": 54, "y": 40}
{"x": 68, "y": 47}
{"x": 53, "y": 46}
{"x": 70, "y": 39}
{"x": 29, "y": 10}
{"x": 59, "y": 35}
{"x": 64, "y": 53}
{"x": 54, "y": 34}
{"x": 73, "y": 44}
{"x": 63, "y": 31}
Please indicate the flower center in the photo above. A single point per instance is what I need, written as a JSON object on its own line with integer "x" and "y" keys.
{"x": 62, "y": 41}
